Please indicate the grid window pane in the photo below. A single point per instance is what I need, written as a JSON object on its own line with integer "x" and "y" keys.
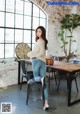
{"x": 18, "y": 36}
{"x": 1, "y": 19}
{"x": 1, "y": 35}
{"x": 10, "y": 5}
{"x": 2, "y": 5}
{"x": 1, "y": 50}
{"x": 27, "y": 36}
{"x": 27, "y": 22}
{"x": 42, "y": 14}
{"x": 33, "y": 37}
{"x": 35, "y": 22}
{"x": 42, "y": 22}
{"x": 33, "y": 46}
{"x": 19, "y": 21}
{"x": 16, "y": 45}
{"x": 35, "y": 11}
{"x": 26, "y": 0}
{"x": 27, "y": 8}
{"x": 19, "y": 6}
{"x": 15, "y": 48}
{"x": 9, "y": 36}
{"x": 29, "y": 45}
{"x": 27, "y": 18}
{"x": 9, "y": 20}
{"x": 9, "y": 50}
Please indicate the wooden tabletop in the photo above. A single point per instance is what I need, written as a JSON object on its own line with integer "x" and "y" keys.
{"x": 65, "y": 66}
{"x": 59, "y": 65}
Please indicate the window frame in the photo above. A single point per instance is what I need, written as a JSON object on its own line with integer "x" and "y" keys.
{"x": 20, "y": 28}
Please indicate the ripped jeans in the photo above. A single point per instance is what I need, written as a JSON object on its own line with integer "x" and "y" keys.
{"x": 39, "y": 70}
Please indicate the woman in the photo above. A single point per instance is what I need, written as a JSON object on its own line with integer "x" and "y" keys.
{"x": 38, "y": 56}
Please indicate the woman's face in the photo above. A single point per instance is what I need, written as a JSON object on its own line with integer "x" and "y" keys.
{"x": 39, "y": 33}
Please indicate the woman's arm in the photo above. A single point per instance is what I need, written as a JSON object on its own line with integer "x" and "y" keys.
{"x": 38, "y": 51}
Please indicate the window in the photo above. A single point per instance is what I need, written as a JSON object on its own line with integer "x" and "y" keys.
{"x": 35, "y": 22}
{"x": 35, "y": 10}
{"x": 9, "y": 48}
{"x": 1, "y": 35}
{"x": 1, "y": 50}
{"x": 9, "y": 20}
{"x": 2, "y": 5}
{"x": 1, "y": 19}
{"x": 27, "y": 21}
{"x": 10, "y": 5}
{"x": 18, "y": 36}
{"x": 42, "y": 22}
{"x": 9, "y": 36}
{"x": 27, "y": 8}
{"x": 33, "y": 36}
{"x": 18, "y": 21}
{"x": 27, "y": 36}
{"x": 19, "y": 6}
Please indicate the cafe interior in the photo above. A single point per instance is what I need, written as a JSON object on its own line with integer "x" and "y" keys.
{"x": 19, "y": 92}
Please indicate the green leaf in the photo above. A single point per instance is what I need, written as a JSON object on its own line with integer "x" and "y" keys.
{"x": 73, "y": 40}
{"x": 65, "y": 42}
{"x": 62, "y": 46}
{"x": 70, "y": 21}
{"x": 62, "y": 39}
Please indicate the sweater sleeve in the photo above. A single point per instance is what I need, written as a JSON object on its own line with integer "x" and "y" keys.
{"x": 38, "y": 51}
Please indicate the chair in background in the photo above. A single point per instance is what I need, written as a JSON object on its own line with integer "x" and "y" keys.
{"x": 25, "y": 73}
{"x": 33, "y": 84}
{"x": 56, "y": 58}
{"x": 28, "y": 75}
{"x": 50, "y": 71}
{"x": 62, "y": 75}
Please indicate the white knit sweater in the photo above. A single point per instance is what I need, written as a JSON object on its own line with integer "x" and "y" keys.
{"x": 38, "y": 50}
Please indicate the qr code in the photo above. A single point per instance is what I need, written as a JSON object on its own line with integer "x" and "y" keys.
{"x": 6, "y": 107}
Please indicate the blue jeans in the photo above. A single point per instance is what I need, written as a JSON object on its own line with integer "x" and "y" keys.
{"x": 39, "y": 70}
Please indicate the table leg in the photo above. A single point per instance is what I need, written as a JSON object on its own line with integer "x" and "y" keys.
{"x": 55, "y": 77}
{"x": 69, "y": 90}
{"x": 69, "y": 93}
{"x": 18, "y": 72}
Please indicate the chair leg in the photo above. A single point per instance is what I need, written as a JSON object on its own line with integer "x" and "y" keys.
{"x": 76, "y": 85}
{"x": 27, "y": 93}
{"x": 58, "y": 84}
{"x": 21, "y": 83}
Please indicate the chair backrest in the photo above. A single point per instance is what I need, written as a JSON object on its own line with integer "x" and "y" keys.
{"x": 24, "y": 71}
{"x": 56, "y": 58}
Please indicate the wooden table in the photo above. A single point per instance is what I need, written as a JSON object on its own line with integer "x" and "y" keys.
{"x": 69, "y": 68}
{"x": 65, "y": 66}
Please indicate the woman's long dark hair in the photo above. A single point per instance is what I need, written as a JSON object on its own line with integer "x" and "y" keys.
{"x": 43, "y": 35}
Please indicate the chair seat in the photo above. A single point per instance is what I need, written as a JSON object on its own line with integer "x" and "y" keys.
{"x": 63, "y": 76}
{"x": 32, "y": 81}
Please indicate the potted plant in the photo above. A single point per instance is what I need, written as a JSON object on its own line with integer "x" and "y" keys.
{"x": 69, "y": 22}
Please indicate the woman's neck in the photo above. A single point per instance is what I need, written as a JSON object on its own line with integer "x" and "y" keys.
{"x": 40, "y": 38}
